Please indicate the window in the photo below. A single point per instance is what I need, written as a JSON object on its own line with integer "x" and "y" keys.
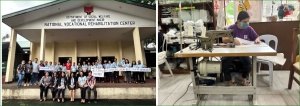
{"x": 260, "y": 10}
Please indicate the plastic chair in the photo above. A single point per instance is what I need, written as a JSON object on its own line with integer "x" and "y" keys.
{"x": 162, "y": 58}
{"x": 268, "y": 38}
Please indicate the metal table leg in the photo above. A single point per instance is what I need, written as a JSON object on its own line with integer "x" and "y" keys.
{"x": 254, "y": 60}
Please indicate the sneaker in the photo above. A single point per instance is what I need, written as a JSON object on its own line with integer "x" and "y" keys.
{"x": 24, "y": 84}
{"x": 27, "y": 84}
{"x": 30, "y": 84}
{"x": 89, "y": 102}
{"x": 95, "y": 101}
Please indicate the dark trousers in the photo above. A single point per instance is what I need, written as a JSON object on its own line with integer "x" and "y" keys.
{"x": 106, "y": 76}
{"x": 83, "y": 92}
{"x": 43, "y": 90}
{"x": 141, "y": 76}
{"x": 62, "y": 92}
{"x": 111, "y": 76}
{"x": 116, "y": 77}
{"x": 135, "y": 76}
{"x": 34, "y": 77}
{"x": 50, "y": 73}
{"x": 128, "y": 76}
{"x": 89, "y": 93}
{"x": 54, "y": 92}
{"x": 41, "y": 74}
{"x": 27, "y": 78}
{"x": 85, "y": 73}
{"x": 227, "y": 61}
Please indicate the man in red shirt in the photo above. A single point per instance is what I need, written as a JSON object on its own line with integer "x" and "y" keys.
{"x": 68, "y": 67}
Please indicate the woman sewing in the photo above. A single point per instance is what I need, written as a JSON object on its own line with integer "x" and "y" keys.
{"x": 242, "y": 30}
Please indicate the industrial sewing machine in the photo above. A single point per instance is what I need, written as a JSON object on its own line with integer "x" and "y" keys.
{"x": 205, "y": 65}
{"x": 207, "y": 39}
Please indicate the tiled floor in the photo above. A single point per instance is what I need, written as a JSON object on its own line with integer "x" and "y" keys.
{"x": 172, "y": 88}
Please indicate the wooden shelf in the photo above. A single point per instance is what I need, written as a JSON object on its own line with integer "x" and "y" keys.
{"x": 178, "y": 23}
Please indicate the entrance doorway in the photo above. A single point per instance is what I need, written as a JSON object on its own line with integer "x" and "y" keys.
{"x": 64, "y": 60}
{"x": 86, "y": 59}
{"x": 108, "y": 58}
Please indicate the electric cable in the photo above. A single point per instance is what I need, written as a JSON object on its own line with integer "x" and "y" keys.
{"x": 182, "y": 95}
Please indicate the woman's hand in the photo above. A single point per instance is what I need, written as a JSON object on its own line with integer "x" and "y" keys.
{"x": 257, "y": 41}
{"x": 236, "y": 42}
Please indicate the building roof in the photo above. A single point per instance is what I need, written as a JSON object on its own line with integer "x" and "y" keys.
{"x": 58, "y": 6}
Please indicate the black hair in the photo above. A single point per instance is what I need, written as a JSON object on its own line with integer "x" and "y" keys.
{"x": 242, "y": 15}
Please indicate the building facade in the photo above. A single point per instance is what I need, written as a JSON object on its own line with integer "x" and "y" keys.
{"x": 81, "y": 31}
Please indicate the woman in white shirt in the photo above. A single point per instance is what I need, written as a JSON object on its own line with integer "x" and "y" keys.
{"x": 82, "y": 83}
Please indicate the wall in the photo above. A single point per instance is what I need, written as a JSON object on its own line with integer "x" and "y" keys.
{"x": 65, "y": 50}
{"x": 87, "y": 49}
{"x": 109, "y": 49}
{"x": 283, "y": 31}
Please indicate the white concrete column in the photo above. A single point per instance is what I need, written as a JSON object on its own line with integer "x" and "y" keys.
{"x": 32, "y": 45}
{"x": 137, "y": 45}
{"x": 75, "y": 54}
{"x": 42, "y": 45}
{"x": 98, "y": 50}
{"x": 53, "y": 52}
{"x": 11, "y": 56}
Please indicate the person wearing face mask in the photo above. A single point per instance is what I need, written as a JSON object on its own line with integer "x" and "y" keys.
{"x": 106, "y": 74}
{"x": 242, "y": 30}
{"x": 84, "y": 68}
{"x": 35, "y": 71}
{"x": 78, "y": 67}
{"x": 141, "y": 74}
{"x": 101, "y": 67}
{"x": 21, "y": 71}
{"x": 134, "y": 74}
{"x": 115, "y": 64}
{"x": 44, "y": 86}
{"x": 53, "y": 86}
{"x": 51, "y": 66}
{"x": 128, "y": 73}
{"x": 28, "y": 73}
{"x": 73, "y": 69}
{"x": 41, "y": 72}
{"x": 123, "y": 72}
{"x": 58, "y": 68}
{"x": 61, "y": 86}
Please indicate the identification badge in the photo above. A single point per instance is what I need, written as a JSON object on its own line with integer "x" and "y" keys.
{"x": 245, "y": 37}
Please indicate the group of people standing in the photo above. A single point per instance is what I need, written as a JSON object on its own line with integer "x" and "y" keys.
{"x": 74, "y": 76}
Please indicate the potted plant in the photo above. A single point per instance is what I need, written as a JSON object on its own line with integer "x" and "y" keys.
{"x": 152, "y": 73}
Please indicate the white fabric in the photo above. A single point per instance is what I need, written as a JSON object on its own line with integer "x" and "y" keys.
{"x": 279, "y": 59}
{"x": 161, "y": 57}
